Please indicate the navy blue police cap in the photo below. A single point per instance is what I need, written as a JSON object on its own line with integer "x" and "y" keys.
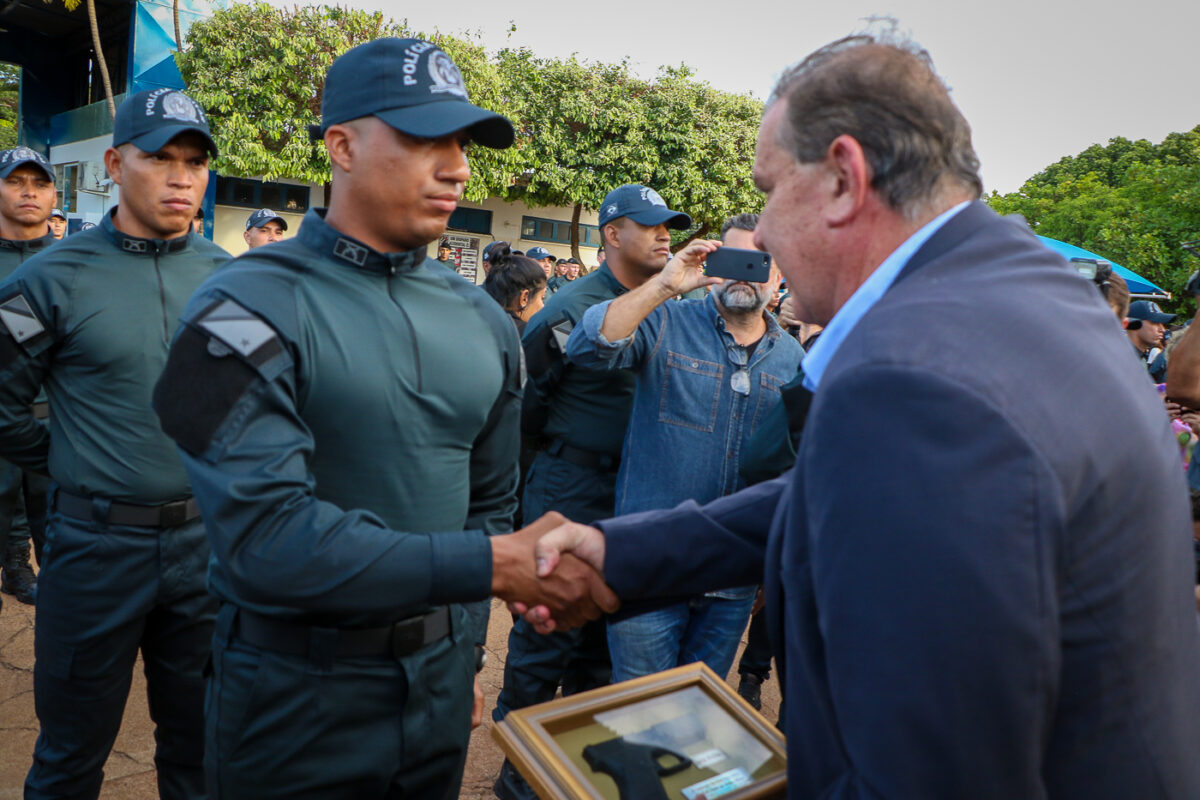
{"x": 538, "y": 253}
{"x": 413, "y": 86}
{"x": 262, "y": 217}
{"x": 643, "y": 205}
{"x": 19, "y": 157}
{"x": 150, "y": 119}
{"x": 1148, "y": 311}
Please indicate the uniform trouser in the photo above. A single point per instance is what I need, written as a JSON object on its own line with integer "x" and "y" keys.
{"x": 577, "y": 659}
{"x": 316, "y": 727}
{"x": 22, "y": 507}
{"x": 104, "y": 592}
{"x": 756, "y": 658}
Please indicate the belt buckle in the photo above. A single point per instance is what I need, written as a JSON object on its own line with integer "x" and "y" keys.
{"x": 172, "y": 515}
{"x": 408, "y": 636}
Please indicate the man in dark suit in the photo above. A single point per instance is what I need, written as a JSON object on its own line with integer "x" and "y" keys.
{"x": 978, "y": 573}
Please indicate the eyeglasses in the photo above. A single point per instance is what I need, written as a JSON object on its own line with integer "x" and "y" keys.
{"x": 739, "y": 381}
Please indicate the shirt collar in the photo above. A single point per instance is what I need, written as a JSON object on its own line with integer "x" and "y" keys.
{"x": 319, "y": 235}
{"x": 138, "y": 246}
{"x": 874, "y": 287}
{"x": 610, "y": 280}
{"x": 29, "y": 245}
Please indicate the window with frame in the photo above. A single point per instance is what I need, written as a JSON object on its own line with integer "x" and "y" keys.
{"x": 557, "y": 230}
{"x": 471, "y": 220}
{"x": 251, "y": 193}
{"x": 66, "y": 185}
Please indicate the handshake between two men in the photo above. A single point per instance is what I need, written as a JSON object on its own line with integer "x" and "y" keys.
{"x": 552, "y": 572}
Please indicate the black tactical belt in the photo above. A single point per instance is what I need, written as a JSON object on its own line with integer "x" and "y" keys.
{"x": 583, "y": 458}
{"x": 398, "y": 640}
{"x": 168, "y": 515}
{"x": 41, "y": 410}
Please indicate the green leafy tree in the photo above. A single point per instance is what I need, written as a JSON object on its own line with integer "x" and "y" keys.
{"x": 587, "y": 127}
{"x": 1134, "y": 202}
{"x": 10, "y": 85}
{"x": 259, "y": 72}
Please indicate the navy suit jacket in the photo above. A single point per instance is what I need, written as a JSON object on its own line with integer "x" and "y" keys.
{"x": 979, "y": 572}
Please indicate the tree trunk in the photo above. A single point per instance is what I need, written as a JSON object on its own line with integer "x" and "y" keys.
{"x": 328, "y": 191}
{"x": 575, "y": 232}
{"x": 100, "y": 62}
{"x": 700, "y": 233}
{"x": 178, "y": 37}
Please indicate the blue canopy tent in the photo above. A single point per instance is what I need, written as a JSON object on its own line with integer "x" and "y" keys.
{"x": 1137, "y": 284}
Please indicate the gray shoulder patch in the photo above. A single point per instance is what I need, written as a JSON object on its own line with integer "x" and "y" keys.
{"x": 19, "y": 318}
{"x": 238, "y": 328}
{"x": 562, "y": 332}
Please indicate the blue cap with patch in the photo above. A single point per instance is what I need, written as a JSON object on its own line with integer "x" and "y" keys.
{"x": 538, "y": 253}
{"x": 19, "y": 157}
{"x": 262, "y": 217}
{"x": 150, "y": 119}
{"x": 57, "y": 212}
{"x": 411, "y": 85}
{"x": 641, "y": 204}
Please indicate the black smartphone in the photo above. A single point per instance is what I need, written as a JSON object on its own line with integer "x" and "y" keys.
{"x": 739, "y": 265}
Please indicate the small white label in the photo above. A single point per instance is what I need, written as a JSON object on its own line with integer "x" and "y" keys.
{"x": 708, "y": 758}
{"x": 718, "y": 785}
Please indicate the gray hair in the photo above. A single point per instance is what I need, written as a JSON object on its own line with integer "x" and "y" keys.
{"x": 741, "y": 222}
{"x": 886, "y": 95}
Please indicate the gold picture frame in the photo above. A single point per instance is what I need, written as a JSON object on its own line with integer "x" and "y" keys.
{"x": 644, "y": 730}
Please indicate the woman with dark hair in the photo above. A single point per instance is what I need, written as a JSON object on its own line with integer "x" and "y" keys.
{"x": 517, "y": 283}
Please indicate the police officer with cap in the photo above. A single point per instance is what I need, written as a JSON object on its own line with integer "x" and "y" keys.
{"x": 544, "y": 258}
{"x": 581, "y": 416}
{"x": 58, "y": 223}
{"x": 351, "y": 457}
{"x": 26, "y": 229}
{"x": 91, "y": 319}
{"x": 263, "y": 227}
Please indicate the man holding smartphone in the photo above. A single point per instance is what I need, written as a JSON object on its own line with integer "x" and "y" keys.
{"x": 708, "y": 372}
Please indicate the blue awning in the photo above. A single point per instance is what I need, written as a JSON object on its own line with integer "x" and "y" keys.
{"x": 1137, "y": 284}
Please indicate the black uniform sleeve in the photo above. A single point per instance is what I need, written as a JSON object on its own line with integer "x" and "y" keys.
{"x": 544, "y": 344}
{"x": 27, "y": 336}
{"x": 247, "y": 451}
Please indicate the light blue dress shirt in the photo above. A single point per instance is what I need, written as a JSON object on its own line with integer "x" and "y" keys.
{"x": 847, "y": 317}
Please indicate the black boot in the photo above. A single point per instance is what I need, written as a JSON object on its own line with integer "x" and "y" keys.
{"x": 16, "y": 576}
{"x": 750, "y": 689}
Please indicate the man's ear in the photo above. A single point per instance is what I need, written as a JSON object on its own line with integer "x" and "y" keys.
{"x": 849, "y": 180}
{"x": 341, "y": 141}
{"x": 113, "y": 161}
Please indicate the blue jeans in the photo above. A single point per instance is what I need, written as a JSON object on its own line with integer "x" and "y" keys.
{"x": 703, "y": 628}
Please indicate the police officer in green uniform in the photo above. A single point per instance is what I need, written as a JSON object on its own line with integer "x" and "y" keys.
{"x": 348, "y": 413}
{"x": 26, "y": 200}
{"x": 580, "y": 415}
{"x": 91, "y": 319}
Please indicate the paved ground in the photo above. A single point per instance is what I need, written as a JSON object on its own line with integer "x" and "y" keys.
{"x": 130, "y": 770}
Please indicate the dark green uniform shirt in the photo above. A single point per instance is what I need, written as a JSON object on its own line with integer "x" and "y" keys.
{"x": 586, "y": 409}
{"x": 349, "y": 420}
{"x": 14, "y": 252}
{"x": 91, "y": 319}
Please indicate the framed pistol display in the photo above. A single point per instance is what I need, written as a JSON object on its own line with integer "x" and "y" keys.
{"x": 683, "y": 734}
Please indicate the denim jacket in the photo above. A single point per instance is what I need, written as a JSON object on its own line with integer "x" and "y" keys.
{"x": 689, "y": 427}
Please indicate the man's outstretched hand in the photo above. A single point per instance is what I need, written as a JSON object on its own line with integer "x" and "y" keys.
{"x": 533, "y": 574}
{"x": 583, "y": 542}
